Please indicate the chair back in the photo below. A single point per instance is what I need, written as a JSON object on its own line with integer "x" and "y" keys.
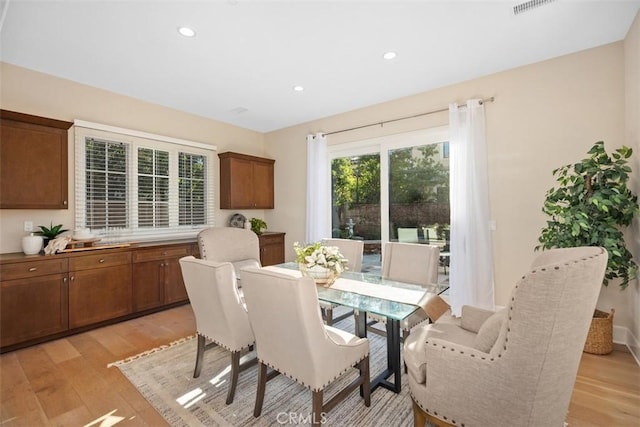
{"x": 409, "y": 235}
{"x": 238, "y": 246}
{"x": 429, "y": 234}
{"x": 228, "y": 244}
{"x": 352, "y": 250}
{"x": 217, "y": 305}
{"x": 287, "y": 324}
{"x": 541, "y": 342}
{"x": 411, "y": 263}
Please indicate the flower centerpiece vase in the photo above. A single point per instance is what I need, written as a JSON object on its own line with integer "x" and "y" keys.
{"x": 321, "y": 275}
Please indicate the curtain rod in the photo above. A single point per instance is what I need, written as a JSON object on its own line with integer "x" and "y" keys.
{"x": 440, "y": 110}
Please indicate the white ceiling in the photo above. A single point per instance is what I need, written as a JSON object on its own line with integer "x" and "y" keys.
{"x": 249, "y": 54}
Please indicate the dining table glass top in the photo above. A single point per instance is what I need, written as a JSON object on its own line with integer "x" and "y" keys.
{"x": 373, "y": 294}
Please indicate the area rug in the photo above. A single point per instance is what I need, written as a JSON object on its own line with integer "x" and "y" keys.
{"x": 164, "y": 377}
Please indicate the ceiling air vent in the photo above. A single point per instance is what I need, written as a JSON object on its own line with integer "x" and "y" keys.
{"x": 527, "y": 6}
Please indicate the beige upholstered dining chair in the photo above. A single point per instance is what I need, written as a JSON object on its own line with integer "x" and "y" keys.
{"x": 220, "y": 314}
{"x": 238, "y": 246}
{"x": 410, "y": 263}
{"x": 353, "y": 251}
{"x": 292, "y": 339}
{"x": 516, "y": 366}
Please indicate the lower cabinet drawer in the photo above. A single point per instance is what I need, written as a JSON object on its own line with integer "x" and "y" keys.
{"x": 153, "y": 254}
{"x": 39, "y": 267}
{"x": 86, "y": 262}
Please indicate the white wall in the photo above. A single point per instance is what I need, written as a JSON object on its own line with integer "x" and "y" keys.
{"x": 545, "y": 115}
{"x": 632, "y": 139}
{"x": 39, "y": 94}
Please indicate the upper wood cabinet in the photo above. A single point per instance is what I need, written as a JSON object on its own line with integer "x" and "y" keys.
{"x": 33, "y": 162}
{"x": 246, "y": 182}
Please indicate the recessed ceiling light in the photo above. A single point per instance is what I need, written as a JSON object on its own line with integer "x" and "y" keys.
{"x": 186, "y": 31}
{"x": 389, "y": 55}
{"x": 298, "y": 88}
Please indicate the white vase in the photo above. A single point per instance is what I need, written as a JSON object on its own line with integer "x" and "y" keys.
{"x": 31, "y": 245}
{"x": 321, "y": 275}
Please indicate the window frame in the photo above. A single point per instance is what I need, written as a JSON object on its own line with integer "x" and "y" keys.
{"x": 382, "y": 145}
{"x": 135, "y": 140}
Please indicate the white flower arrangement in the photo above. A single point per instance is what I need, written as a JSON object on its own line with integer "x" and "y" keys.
{"x": 314, "y": 257}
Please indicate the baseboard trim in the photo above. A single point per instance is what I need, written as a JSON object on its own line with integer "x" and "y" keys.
{"x": 622, "y": 335}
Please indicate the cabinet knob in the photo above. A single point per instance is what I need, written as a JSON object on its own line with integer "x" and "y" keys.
{"x": 33, "y": 268}
{"x": 64, "y": 280}
{"x": 72, "y": 278}
{"x": 64, "y": 203}
{"x": 101, "y": 261}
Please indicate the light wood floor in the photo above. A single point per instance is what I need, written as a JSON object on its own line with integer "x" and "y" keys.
{"x": 67, "y": 382}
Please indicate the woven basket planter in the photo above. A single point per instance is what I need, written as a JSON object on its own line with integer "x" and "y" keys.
{"x": 600, "y": 337}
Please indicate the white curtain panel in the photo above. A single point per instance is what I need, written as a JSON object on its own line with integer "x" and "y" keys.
{"x": 471, "y": 272}
{"x": 318, "y": 224}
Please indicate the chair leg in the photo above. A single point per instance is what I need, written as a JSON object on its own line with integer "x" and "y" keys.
{"x": 199, "y": 355}
{"x": 328, "y": 316}
{"x": 365, "y": 388}
{"x": 419, "y": 416}
{"x": 235, "y": 369}
{"x": 316, "y": 411}
{"x": 262, "y": 383}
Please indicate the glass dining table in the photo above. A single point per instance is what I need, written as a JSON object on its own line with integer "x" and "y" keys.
{"x": 370, "y": 293}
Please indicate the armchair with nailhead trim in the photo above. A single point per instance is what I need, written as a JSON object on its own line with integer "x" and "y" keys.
{"x": 514, "y": 367}
{"x": 221, "y": 317}
{"x": 238, "y": 246}
{"x": 292, "y": 340}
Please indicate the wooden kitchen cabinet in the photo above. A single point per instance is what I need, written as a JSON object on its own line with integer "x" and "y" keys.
{"x": 48, "y": 297}
{"x": 33, "y": 300}
{"x": 246, "y": 182}
{"x": 271, "y": 248}
{"x": 99, "y": 288}
{"x": 157, "y": 278}
{"x": 33, "y": 162}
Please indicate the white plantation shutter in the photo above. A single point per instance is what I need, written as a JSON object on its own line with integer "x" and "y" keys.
{"x": 135, "y": 186}
{"x": 106, "y": 184}
{"x": 153, "y": 188}
{"x": 191, "y": 187}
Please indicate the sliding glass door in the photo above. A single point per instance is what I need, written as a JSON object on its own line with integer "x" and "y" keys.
{"x": 394, "y": 188}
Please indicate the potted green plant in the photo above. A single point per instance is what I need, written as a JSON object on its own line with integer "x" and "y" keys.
{"x": 50, "y": 233}
{"x": 590, "y": 207}
{"x": 258, "y": 225}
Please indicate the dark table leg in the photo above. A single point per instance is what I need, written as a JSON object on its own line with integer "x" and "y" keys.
{"x": 393, "y": 354}
{"x": 361, "y": 331}
{"x": 361, "y": 324}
